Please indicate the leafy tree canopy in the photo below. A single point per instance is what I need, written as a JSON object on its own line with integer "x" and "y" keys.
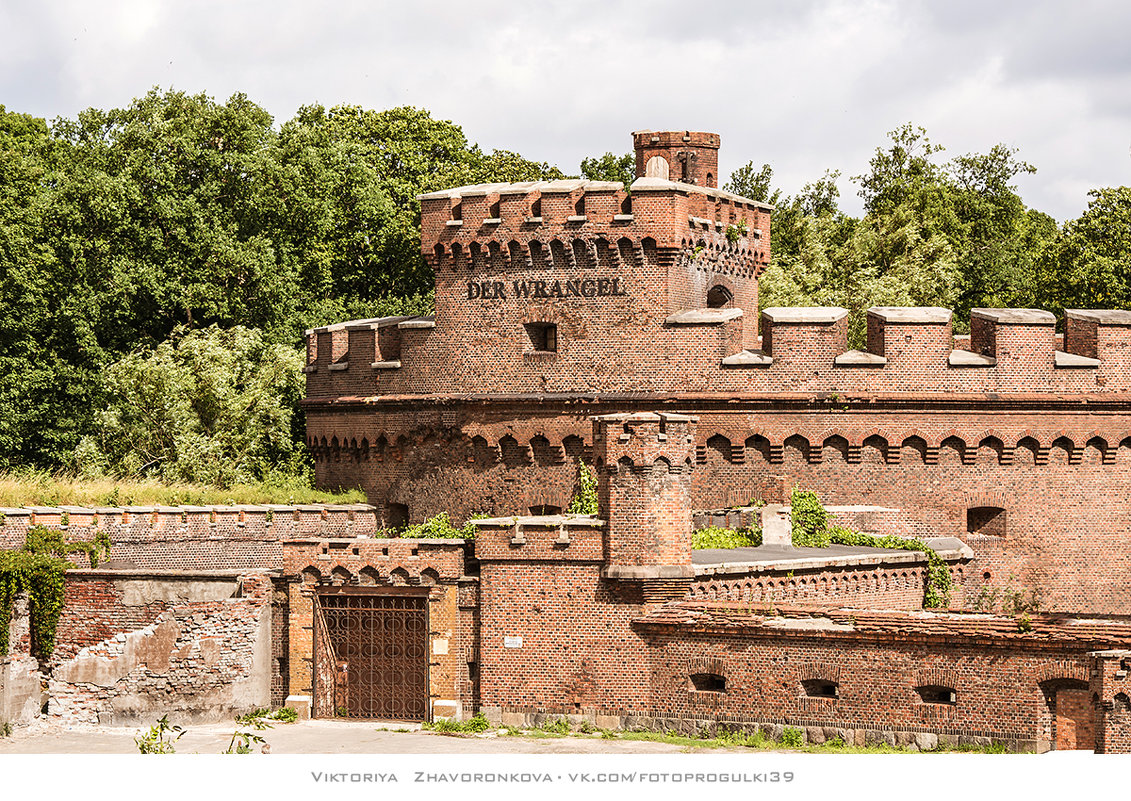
{"x": 610, "y": 168}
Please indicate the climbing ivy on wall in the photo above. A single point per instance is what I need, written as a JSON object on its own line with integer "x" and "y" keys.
{"x": 37, "y": 570}
{"x": 811, "y": 529}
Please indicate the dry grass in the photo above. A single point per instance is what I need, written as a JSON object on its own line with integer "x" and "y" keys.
{"x": 40, "y": 488}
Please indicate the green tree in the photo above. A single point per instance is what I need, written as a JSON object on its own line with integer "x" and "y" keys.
{"x": 1088, "y": 265}
{"x": 392, "y": 157}
{"x": 214, "y": 406}
{"x": 748, "y": 182}
{"x": 610, "y": 168}
{"x": 48, "y": 354}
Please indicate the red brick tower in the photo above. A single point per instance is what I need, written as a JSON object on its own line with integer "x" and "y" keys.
{"x": 644, "y": 489}
{"x": 690, "y": 157}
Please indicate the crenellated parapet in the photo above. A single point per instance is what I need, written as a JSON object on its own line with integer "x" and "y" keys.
{"x": 579, "y": 223}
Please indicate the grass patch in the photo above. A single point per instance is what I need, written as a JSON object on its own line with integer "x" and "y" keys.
{"x": 28, "y": 487}
{"x": 475, "y": 725}
{"x": 792, "y": 739}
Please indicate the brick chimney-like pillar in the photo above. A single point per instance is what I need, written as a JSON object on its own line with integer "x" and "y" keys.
{"x": 644, "y": 488}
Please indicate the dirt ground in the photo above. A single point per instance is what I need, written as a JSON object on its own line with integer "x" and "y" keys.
{"x": 317, "y": 737}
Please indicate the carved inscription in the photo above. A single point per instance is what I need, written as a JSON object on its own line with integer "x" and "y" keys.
{"x": 576, "y": 288}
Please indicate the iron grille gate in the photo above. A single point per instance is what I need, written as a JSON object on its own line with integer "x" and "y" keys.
{"x": 371, "y": 656}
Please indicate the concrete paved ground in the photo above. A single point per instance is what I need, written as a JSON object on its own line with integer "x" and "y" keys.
{"x": 318, "y": 737}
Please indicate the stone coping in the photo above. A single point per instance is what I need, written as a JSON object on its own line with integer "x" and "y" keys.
{"x": 748, "y": 358}
{"x": 911, "y": 315}
{"x": 859, "y": 358}
{"x": 565, "y": 186}
{"x": 648, "y": 572}
{"x": 967, "y": 358}
{"x": 1101, "y": 316}
{"x": 1015, "y": 316}
{"x": 663, "y": 184}
{"x": 1063, "y": 359}
{"x": 540, "y": 521}
{"x": 307, "y": 539}
{"x": 378, "y": 323}
{"x": 26, "y": 511}
{"x": 802, "y": 315}
{"x": 768, "y": 558}
{"x": 703, "y": 316}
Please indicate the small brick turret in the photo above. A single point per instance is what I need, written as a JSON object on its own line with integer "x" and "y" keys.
{"x": 690, "y": 157}
{"x": 644, "y": 489}
{"x": 1111, "y": 696}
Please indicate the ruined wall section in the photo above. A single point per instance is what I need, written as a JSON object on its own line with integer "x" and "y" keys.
{"x": 20, "y": 696}
{"x": 135, "y": 646}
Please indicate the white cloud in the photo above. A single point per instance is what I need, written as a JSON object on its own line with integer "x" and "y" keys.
{"x": 805, "y": 86}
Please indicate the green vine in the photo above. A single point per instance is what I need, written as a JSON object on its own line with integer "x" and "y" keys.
{"x": 584, "y": 502}
{"x": 37, "y": 569}
{"x": 811, "y": 529}
{"x": 736, "y": 231}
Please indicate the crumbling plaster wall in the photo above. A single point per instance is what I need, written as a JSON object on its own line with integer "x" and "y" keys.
{"x": 20, "y": 694}
{"x": 195, "y": 647}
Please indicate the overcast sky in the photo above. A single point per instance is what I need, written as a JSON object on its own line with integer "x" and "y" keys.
{"x": 805, "y": 86}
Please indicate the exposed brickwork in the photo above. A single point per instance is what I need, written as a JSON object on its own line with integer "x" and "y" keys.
{"x": 372, "y": 564}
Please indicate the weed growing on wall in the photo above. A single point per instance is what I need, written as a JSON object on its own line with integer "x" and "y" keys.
{"x": 440, "y": 528}
{"x": 584, "y": 502}
{"x": 811, "y": 529}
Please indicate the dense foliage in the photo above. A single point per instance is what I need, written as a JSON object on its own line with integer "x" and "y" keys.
{"x": 212, "y": 406}
{"x": 953, "y": 234}
{"x": 719, "y": 537}
{"x": 811, "y": 529}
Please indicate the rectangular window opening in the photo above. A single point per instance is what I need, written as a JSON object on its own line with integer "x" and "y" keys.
{"x": 543, "y": 336}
